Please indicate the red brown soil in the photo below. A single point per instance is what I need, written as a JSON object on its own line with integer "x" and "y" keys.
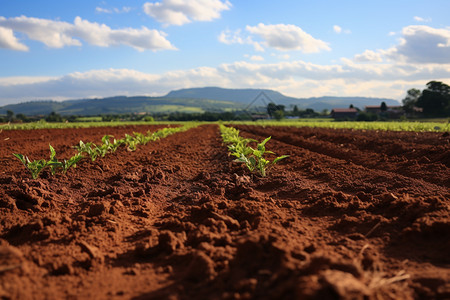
{"x": 349, "y": 215}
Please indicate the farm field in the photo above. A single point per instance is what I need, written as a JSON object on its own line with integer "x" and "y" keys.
{"x": 350, "y": 214}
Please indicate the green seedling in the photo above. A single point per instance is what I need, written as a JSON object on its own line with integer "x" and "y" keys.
{"x": 253, "y": 158}
{"x": 89, "y": 148}
{"x": 131, "y": 142}
{"x": 71, "y": 162}
{"x": 35, "y": 167}
{"x": 53, "y": 163}
{"x": 141, "y": 138}
{"x": 114, "y": 145}
{"x": 256, "y": 160}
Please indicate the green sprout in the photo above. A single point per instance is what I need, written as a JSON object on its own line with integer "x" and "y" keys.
{"x": 35, "y": 167}
{"x": 71, "y": 162}
{"x": 253, "y": 158}
{"x": 89, "y": 148}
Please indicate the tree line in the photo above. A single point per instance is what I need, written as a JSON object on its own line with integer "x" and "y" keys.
{"x": 434, "y": 100}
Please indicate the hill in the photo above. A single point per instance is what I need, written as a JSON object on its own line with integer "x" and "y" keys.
{"x": 212, "y": 99}
{"x": 245, "y": 96}
{"x": 120, "y": 104}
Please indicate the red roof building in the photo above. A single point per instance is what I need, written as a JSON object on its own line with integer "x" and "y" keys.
{"x": 344, "y": 113}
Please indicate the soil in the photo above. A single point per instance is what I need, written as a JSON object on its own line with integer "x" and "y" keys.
{"x": 350, "y": 214}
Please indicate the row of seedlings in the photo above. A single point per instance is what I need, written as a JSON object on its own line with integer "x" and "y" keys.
{"x": 94, "y": 151}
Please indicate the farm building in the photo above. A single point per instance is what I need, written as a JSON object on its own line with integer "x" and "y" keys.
{"x": 344, "y": 113}
{"x": 394, "y": 111}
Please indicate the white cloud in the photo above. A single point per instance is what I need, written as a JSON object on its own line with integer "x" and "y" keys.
{"x": 420, "y": 19}
{"x": 287, "y": 37}
{"x": 419, "y": 44}
{"x": 422, "y": 44}
{"x": 281, "y": 37}
{"x": 295, "y": 78}
{"x": 103, "y": 10}
{"x": 256, "y": 58}
{"x": 124, "y": 9}
{"x": 53, "y": 34}
{"x": 369, "y": 56}
{"x": 337, "y": 29}
{"x": 9, "y": 41}
{"x": 229, "y": 37}
{"x": 179, "y": 12}
{"x": 58, "y": 34}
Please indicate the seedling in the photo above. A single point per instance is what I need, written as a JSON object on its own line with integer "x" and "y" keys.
{"x": 141, "y": 138}
{"x": 53, "y": 163}
{"x": 71, "y": 162}
{"x": 35, "y": 167}
{"x": 89, "y": 148}
{"x": 253, "y": 158}
{"x": 131, "y": 142}
{"x": 256, "y": 160}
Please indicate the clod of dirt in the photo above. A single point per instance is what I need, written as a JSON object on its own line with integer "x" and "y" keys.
{"x": 97, "y": 209}
{"x": 201, "y": 267}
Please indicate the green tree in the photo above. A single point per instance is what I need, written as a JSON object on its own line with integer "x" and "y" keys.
{"x": 9, "y": 115}
{"x": 53, "y": 117}
{"x": 22, "y": 117}
{"x": 278, "y": 114}
{"x": 383, "y": 107}
{"x": 435, "y": 99}
{"x": 272, "y": 108}
{"x": 410, "y": 101}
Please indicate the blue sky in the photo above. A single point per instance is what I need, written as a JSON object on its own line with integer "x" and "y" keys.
{"x": 80, "y": 49}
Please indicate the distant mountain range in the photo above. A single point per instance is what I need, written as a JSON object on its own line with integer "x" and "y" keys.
{"x": 188, "y": 100}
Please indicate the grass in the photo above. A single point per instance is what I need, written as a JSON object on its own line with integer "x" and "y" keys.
{"x": 45, "y": 125}
{"x": 427, "y": 125}
{"x": 418, "y": 126}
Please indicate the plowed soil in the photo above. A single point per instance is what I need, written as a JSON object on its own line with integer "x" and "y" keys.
{"x": 349, "y": 215}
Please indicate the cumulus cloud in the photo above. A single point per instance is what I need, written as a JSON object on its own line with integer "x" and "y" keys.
{"x": 418, "y": 44}
{"x": 9, "y": 41}
{"x": 254, "y": 57}
{"x": 369, "y": 56}
{"x": 338, "y": 29}
{"x": 179, "y": 12}
{"x": 420, "y": 19}
{"x": 281, "y": 37}
{"x": 229, "y": 37}
{"x": 423, "y": 44}
{"x": 58, "y": 34}
{"x": 287, "y": 37}
{"x": 124, "y": 9}
{"x": 296, "y": 78}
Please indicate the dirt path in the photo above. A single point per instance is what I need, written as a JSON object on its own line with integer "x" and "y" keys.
{"x": 350, "y": 214}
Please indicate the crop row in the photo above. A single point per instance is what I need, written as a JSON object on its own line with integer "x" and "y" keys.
{"x": 94, "y": 151}
{"x": 253, "y": 158}
{"x": 358, "y": 125}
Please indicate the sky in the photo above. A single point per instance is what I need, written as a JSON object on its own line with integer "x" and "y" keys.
{"x": 58, "y": 50}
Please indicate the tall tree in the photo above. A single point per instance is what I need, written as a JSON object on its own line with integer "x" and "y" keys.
{"x": 9, "y": 115}
{"x": 383, "y": 106}
{"x": 410, "y": 100}
{"x": 435, "y": 99}
{"x": 271, "y": 108}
